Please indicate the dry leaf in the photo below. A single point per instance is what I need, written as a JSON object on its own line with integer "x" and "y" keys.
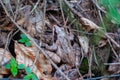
{"x": 89, "y": 25}
{"x": 3, "y": 71}
{"x": 27, "y": 56}
{"x": 5, "y": 56}
{"x": 84, "y": 42}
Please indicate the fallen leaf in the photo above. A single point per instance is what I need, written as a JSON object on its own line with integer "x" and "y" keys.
{"x": 84, "y": 42}
{"x": 3, "y": 70}
{"x": 27, "y": 55}
{"x": 89, "y": 25}
{"x": 5, "y": 56}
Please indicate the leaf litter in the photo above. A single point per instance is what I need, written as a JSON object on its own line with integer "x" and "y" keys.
{"x": 63, "y": 41}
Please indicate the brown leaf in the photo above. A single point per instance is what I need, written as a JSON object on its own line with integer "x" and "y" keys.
{"x": 5, "y": 56}
{"x": 27, "y": 56}
{"x": 3, "y": 71}
{"x": 89, "y": 25}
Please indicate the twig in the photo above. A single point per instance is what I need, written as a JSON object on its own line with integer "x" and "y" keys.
{"x": 32, "y": 40}
{"x": 95, "y": 2}
{"x": 111, "y": 63}
{"x": 35, "y": 6}
{"x": 44, "y": 14}
{"x": 112, "y": 49}
{"x": 99, "y": 12}
{"x": 90, "y": 63}
{"x": 72, "y": 9}
{"x": 7, "y": 41}
{"x": 113, "y": 41}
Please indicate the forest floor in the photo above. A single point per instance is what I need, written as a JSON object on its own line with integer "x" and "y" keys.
{"x": 59, "y": 40}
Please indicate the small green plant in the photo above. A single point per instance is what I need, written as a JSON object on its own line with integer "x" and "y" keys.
{"x": 25, "y": 40}
{"x": 30, "y": 75}
{"x": 14, "y": 67}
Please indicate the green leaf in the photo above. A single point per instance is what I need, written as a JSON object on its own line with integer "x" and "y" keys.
{"x": 14, "y": 71}
{"x": 27, "y": 44}
{"x": 20, "y": 66}
{"x": 30, "y": 76}
{"x": 27, "y": 77}
{"x": 34, "y": 77}
{"x": 7, "y": 66}
{"x": 28, "y": 70}
{"x": 26, "y": 39}
{"x": 23, "y": 36}
{"x": 22, "y": 40}
{"x": 13, "y": 62}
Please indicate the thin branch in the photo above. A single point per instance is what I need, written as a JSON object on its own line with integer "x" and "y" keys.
{"x": 35, "y": 6}
{"x": 72, "y": 9}
{"x": 95, "y": 2}
{"x": 113, "y": 41}
{"x": 32, "y": 40}
{"x": 112, "y": 49}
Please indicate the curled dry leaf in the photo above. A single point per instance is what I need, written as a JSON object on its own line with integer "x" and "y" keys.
{"x": 89, "y": 25}
{"x": 84, "y": 42}
{"x": 27, "y": 56}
